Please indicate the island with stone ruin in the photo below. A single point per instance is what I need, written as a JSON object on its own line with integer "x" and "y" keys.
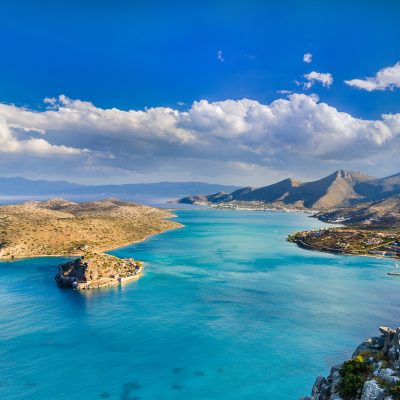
{"x": 94, "y": 271}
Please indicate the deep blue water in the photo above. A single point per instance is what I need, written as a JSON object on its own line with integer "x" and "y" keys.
{"x": 227, "y": 310}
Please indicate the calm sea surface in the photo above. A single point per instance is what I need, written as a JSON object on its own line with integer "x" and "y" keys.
{"x": 226, "y": 310}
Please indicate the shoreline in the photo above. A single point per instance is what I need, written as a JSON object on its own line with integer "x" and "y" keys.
{"x": 205, "y": 207}
{"x": 310, "y": 247}
{"x": 343, "y": 254}
{"x": 219, "y": 206}
{"x": 144, "y": 239}
{"x": 9, "y": 259}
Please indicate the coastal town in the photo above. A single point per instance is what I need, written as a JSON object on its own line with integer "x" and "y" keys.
{"x": 255, "y": 206}
{"x": 354, "y": 241}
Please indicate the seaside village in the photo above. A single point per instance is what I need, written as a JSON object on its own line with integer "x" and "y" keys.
{"x": 351, "y": 241}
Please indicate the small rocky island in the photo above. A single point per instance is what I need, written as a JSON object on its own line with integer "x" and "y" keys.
{"x": 93, "y": 271}
{"x": 373, "y": 372}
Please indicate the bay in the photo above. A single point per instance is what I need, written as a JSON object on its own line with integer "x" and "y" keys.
{"x": 227, "y": 309}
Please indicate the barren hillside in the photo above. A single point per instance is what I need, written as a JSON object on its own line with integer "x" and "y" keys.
{"x": 59, "y": 227}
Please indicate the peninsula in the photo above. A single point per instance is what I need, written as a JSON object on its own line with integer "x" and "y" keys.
{"x": 62, "y": 228}
{"x": 351, "y": 241}
{"x": 371, "y": 228}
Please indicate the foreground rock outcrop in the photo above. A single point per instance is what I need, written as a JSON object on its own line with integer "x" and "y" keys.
{"x": 93, "y": 271}
{"x": 373, "y": 372}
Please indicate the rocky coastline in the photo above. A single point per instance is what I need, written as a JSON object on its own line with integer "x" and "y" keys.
{"x": 372, "y": 373}
{"x": 94, "y": 271}
{"x": 351, "y": 241}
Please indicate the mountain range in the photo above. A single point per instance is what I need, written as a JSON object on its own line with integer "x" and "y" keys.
{"x": 339, "y": 189}
{"x": 21, "y": 187}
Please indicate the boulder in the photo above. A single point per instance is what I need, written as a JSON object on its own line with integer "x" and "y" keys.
{"x": 387, "y": 374}
{"x": 372, "y": 391}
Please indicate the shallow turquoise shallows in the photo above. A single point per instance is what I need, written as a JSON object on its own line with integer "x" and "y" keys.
{"x": 227, "y": 309}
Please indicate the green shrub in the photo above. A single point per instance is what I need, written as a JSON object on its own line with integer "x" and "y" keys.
{"x": 395, "y": 391}
{"x": 350, "y": 385}
{"x": 353, "y": 375}
{"x": 354, "y": 366}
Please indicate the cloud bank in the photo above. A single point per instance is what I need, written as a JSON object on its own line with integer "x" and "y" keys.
{"x": 217, "y": 141}
{"x": 385, "y": 79}
{"x": 37, "y": 146}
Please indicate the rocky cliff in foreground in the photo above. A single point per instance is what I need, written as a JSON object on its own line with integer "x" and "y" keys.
{"x": 373, "y": 372}
{"x": 93, "y": 271}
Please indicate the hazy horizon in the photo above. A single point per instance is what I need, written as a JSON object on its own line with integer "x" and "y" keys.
{"x": 100, "y": 183}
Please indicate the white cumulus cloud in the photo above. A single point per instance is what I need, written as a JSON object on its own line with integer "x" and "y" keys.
{"x": 325, "y": 79}
{"x": 385, "y": 79}
{"x": 9, "y": 143}
{"x": 209, "y": 141}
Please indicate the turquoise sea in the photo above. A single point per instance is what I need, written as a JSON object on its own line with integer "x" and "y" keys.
{"x": 226, "y": 310}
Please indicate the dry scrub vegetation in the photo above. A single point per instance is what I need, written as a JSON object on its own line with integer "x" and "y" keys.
{"x": 60, "y": 227}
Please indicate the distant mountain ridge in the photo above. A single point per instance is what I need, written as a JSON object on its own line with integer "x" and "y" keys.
{"x": 380, "y": 188}
{"x": 25, "y": 187}
{"x": 21, "y": 186}
{"x": 339, "y": 189}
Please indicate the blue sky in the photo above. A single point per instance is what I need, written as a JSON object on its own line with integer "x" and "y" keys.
{"x": 128, "y": 55}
